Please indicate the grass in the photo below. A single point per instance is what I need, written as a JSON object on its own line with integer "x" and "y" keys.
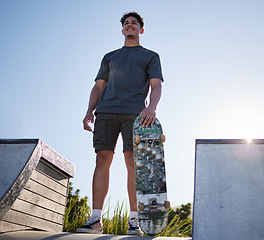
{"x": 178, "y": 228}
{"x": 78, "y": 211}
{"x": 117, "y": 224}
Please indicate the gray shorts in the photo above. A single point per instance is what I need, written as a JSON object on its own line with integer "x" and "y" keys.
{"x": 107, "y": 128}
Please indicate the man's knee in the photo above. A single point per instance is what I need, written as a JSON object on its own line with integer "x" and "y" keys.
{"x": 104, "y": 158}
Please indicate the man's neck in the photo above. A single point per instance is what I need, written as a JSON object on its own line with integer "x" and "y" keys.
{"x": 131, "y": 42}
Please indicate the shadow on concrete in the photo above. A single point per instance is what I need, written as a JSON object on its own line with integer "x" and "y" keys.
{"x": 75, "y": 236}
{"x": 41, "y": 235}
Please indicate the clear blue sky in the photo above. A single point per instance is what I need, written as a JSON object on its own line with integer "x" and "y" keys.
{"x": 212, "y": 55}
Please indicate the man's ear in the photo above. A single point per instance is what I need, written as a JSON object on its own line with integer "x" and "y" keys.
{"x": 142, "y": 31}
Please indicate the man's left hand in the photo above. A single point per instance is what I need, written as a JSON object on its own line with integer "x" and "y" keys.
{"x": 148, "y": 117}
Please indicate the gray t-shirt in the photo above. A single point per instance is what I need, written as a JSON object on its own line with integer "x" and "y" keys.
{"x": 127, "y": 72}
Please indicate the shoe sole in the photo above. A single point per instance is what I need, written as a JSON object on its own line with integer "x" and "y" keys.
{"x": 134, "y": 232}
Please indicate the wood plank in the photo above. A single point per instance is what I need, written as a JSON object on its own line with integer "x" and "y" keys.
{"x": 57, "y": 160}
{"x": 34, "y": 210}
{"x": 53, "y": 172}
{"x": 34, "y": 198}
{"x": 48, "y": 182}
{"x": 10, "y": 227}
{"x": 45, "y": 192}
{"x": 31, "y": 221}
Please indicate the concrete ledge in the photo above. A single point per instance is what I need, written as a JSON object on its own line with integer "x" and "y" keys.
{"x": 37, "y": 235}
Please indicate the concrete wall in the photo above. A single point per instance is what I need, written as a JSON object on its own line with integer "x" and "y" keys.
{"x": 229, "y": 190}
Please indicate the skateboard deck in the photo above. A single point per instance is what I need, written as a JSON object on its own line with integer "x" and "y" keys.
{"x": 150, "y": 177}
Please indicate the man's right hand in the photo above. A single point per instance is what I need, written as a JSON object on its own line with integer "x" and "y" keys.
{"x": 89, "y": 118}
{"x": 94, "y": 98}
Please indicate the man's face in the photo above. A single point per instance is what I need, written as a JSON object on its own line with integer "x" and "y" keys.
{"x": 131, "y": 27}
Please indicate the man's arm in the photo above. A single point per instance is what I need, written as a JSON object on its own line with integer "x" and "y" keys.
{"x": 94, "y": 99}
{"x": 149, "y": 113}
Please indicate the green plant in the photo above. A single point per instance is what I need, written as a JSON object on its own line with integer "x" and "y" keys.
{"x": 180, "y": 221}
{"x": 177, "y": 227}
{"x": 117, "y": 225}
{"x": 77, "y": 211}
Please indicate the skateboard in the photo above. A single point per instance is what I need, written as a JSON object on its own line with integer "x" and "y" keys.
{"x": 150, "y": 177}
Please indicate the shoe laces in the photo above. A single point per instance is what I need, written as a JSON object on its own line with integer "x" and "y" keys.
{"x": 133, "y": 222}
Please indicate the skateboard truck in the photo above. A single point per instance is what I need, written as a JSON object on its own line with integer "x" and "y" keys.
{"x": 153, "y": 204}
{"x": 138, "y": 140}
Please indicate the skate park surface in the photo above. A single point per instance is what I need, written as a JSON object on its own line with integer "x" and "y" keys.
{"x": 40, "y": 235}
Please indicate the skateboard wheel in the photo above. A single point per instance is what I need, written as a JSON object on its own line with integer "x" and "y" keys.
{"x": 162, "y": 138}
{"x": 141, "y": 206}
{"x": 137, "y": 139}
{"x": 167, "y": 204}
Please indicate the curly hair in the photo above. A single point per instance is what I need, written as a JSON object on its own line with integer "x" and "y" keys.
{"x": 132, "y": 14}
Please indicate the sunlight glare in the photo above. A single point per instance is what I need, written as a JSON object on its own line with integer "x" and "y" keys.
{"x": 249, "y": 140}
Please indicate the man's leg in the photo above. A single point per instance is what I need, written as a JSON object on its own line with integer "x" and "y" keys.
{"x": 101, "y": 177}
{"x": 131, "y": 183}
{"x": 127, "y": 135}
{"x": 133, "y": 226}
{"x": 100, "y": 188}
{"x": 106, "y": 132}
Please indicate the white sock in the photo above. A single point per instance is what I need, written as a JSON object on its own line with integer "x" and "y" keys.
{"x": 97, "y": 213}
{"x": 133, "y": 214}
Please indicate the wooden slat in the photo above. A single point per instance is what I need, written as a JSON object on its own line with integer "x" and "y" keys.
{"x": 34, "y": 210}
{"x": 45, "y": 192}
{"x": 31, "y": 221}
{"x": 10, "y": 227}
{"x": 48, "y": 182}
{"x": 51, "y": 171}
{"x": 34, "y": 198}
{"x": 57, "y": 160}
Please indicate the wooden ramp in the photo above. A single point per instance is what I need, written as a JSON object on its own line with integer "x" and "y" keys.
{"x": 34, "y": 181}
{"x": 37, "y": 235}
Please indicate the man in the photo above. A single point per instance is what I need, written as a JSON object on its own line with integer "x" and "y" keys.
{"x": 118, "y": 97}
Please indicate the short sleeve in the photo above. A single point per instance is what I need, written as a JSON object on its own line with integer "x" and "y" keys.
{"x": 154, "y": 68}
{"x": 103, "y": 72}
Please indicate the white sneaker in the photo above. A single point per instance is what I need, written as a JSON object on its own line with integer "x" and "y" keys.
{"x": 93, "y": 225}
{"x": 133, "y": 227}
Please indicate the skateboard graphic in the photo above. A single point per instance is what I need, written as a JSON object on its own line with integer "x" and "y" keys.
{"x": 150, "y": 177}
